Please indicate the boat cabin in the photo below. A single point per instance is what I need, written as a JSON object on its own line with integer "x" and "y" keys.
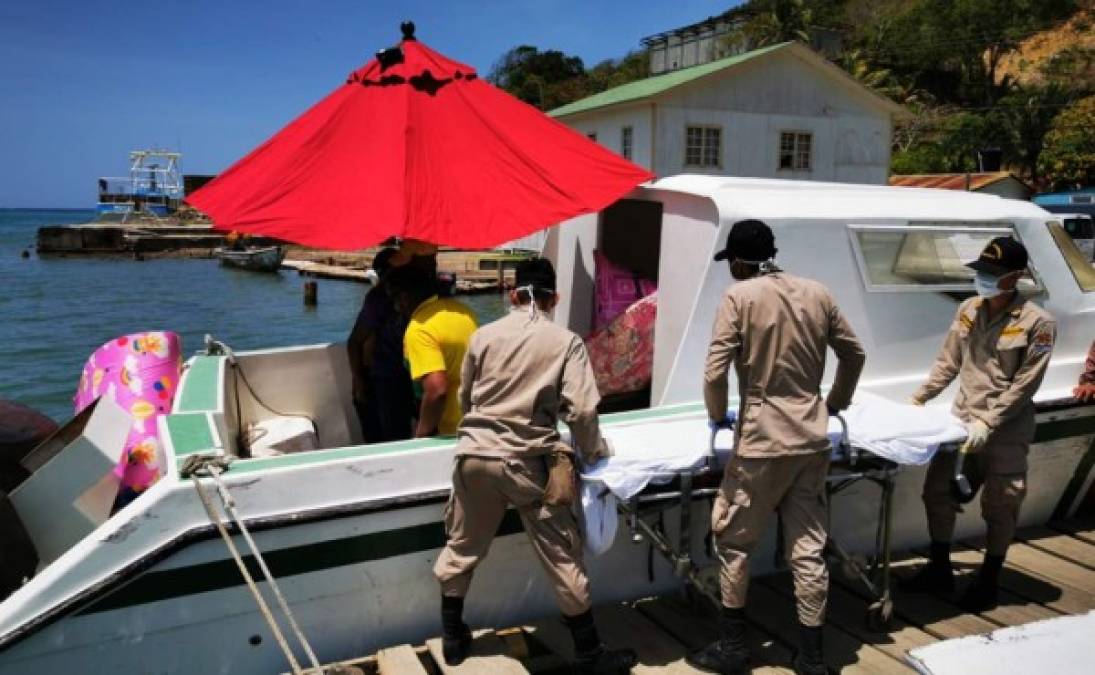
{"x": 894, "y": 258}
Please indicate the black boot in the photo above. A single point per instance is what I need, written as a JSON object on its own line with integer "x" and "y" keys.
{"x": 982, "y": 594}
{"x": 455, "y": 636}
{"x": 728, "y": 655}
{"x": 591, "y": 656}
{"x": 809, "y": 659}
{"x": 935, "y": 577}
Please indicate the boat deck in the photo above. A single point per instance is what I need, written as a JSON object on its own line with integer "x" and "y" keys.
{"x": 1050, "y": 572}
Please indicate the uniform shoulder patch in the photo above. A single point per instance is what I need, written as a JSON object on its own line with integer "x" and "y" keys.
{"x": 1042, "y": 340}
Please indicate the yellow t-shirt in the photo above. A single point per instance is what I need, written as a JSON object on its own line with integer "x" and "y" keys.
{"x": 436, "y": 339}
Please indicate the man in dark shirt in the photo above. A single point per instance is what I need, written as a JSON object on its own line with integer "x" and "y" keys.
{"x": 382, "y": 391}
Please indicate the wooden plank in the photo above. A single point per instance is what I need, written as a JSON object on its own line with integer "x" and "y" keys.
{"x": 843, "y": 653}
{"x": 1035, "y": 587}
{"x": 674, "y": 616}
{"x": 399, "y": 660}
{"x": 1081, "y": 528}
{"x": 931, "y": 614}
{"x": 1014, "y": 609}
{"x": 849, "y": 611}
{"x": 621, "y": 627}
{"x": 488, "y": 656}
{"x": 1050, "y": 566}
{"x": 1061, "y": 545}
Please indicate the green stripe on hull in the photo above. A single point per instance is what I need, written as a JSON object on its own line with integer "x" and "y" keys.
{"x": 190, "y": 433}
{"x": 200, "y": 391}
{"x": 306, "y": 558}
{"x": 357, "y": 451}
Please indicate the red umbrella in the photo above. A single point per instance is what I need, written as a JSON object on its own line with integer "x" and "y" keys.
{"x": 415, "y": 145}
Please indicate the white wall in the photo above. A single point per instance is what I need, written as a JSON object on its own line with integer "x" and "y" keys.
{"x": 753, "y": 103}
{"x": 607, "y": 124}
{"x": 750, "y": 144}
{"x": 689, "y": 226}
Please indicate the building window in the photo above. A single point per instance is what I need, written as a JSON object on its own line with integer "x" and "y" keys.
{"x": 626, "y": 142}
{"x": 703, "y": 146}
{"x": 794, "y": 150}
{"x": 592, "y": 136}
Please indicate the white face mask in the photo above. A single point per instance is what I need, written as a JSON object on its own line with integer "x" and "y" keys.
{"x": 986, "y": 285}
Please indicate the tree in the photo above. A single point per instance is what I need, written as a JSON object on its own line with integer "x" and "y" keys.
{"x": 956, "y": 46}
{"x": 1067, "y": 159}
{"x": 529, "y": 74}
{"x": 771, "y": 22}
{"x": 1026, "y": 114}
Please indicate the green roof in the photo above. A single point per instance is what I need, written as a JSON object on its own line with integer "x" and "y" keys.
{"x": 652, "y": 86}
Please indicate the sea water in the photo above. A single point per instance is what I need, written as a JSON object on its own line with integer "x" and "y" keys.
{"x": 54, "y": 311}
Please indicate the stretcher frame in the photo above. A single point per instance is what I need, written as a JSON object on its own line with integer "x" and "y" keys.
{"x": 701, "y": 483}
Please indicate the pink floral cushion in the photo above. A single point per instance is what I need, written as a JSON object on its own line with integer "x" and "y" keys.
{"x": 617, "y": 289}
{"x": 622, "y": 355}
{"x": 139, "y": 372}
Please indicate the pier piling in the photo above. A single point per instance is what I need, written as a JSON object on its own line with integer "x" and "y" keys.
{"x": 311, "y": 293}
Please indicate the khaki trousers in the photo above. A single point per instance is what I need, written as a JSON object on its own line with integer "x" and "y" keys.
{"x": 1001, "y": 495}
{"x": 751, "y": 490}
{"x": 482, "y": 489}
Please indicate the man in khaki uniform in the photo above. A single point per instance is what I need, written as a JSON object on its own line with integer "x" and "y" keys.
{"x": 521, "y": 374}
{"x": 774, "y": 328}
{"x": 998, "y": 347}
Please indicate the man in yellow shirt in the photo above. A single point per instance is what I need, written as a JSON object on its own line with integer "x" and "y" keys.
{"x": 434, "y": 345}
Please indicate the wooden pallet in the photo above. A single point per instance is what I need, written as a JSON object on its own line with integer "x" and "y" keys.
{"x": 1050, "y": 572}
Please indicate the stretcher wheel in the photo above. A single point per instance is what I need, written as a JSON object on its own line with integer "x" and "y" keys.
{"x": 879, "y": 615}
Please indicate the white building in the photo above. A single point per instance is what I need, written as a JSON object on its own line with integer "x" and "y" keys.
{"x": 778, "y": 112}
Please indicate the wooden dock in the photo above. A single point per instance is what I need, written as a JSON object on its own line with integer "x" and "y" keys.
{"x": 1050, "y": 572}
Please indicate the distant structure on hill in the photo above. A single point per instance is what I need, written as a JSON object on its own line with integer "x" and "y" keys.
{"x": 718, "y": 37}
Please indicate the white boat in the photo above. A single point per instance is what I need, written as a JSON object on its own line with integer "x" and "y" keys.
{"x": 351, "y": 530}
{"x": 255, "y": 258}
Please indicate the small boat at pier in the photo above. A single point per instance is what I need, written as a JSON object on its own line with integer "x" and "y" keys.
{"x": 254, "y": 258}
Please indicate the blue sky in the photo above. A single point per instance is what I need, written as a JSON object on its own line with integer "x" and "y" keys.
{"x": 84, "y": 82}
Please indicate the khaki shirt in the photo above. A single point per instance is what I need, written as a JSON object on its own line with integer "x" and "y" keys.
{"x": 999, "y": 363}
{"x": 774, "y": 329}
{"x": 520, "y": 376}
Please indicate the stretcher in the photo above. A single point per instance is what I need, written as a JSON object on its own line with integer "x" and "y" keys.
{"x": 646, "y": 514}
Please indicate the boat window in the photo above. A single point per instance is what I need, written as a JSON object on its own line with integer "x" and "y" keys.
{"x": 1079, "y": 228}
{"x": 925, "y": 257}
{"x": 1078, "y": 263}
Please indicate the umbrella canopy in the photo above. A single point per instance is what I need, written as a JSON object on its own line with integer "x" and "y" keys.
{"x": 415, "y": 145}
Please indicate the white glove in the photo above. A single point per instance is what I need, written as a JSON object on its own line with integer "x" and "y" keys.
{"x": 977, "y": 434}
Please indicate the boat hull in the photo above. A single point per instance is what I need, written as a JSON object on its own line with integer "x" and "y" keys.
{"x": 359, "y": 576}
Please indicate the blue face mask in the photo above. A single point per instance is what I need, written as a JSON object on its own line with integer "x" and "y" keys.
{"x": 986, "y": 285}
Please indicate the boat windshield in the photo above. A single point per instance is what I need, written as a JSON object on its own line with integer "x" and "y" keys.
{"x": 1078, "y": 263}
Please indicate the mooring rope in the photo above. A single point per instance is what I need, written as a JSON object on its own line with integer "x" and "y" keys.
{"x": 212, "y": 466}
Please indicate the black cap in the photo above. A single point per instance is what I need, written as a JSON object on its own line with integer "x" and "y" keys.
{"x": 538, "y": 273}
{"x": 749, "y": 240}
{"x": 1003, "y": 255}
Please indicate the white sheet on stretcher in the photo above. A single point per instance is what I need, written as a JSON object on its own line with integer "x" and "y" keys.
{"x": 654, "y": 452}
